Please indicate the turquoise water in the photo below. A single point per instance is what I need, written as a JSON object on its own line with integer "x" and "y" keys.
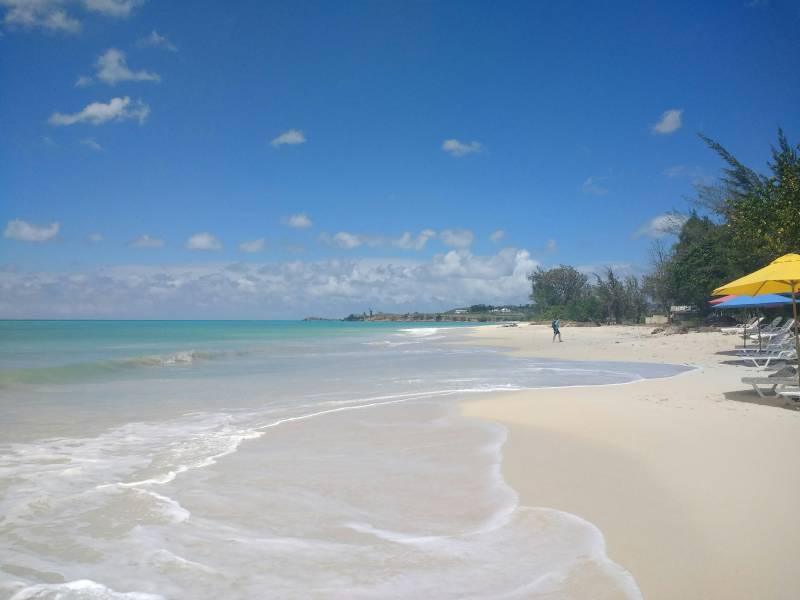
{"x": 58, "y": 351}
{"x": 241, "y": 459}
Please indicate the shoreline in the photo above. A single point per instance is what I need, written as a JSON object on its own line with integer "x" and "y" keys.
{"x": 690, "y": 479}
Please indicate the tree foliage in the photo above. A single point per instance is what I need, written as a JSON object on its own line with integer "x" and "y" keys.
{"x": 565, "y": 292}
{"x": 699, "y": 261}
{"x": 752, "y": 219}
{"x": 657, "y": 284}
{"x": 557, "y": 287}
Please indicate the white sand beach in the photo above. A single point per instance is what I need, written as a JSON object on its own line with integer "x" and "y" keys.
{"x": 693, "y": 480}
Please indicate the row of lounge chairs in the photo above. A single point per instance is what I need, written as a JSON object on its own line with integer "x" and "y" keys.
{"x": 777, "y": 345}
{"x": 745, "y": 328}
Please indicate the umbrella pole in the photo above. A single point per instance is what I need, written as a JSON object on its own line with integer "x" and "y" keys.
{"x": 758, "y": 330}
{"x": 796, "y": 329}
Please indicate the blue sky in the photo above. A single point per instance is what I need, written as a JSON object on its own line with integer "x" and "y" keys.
{"x": 390, "y": 155}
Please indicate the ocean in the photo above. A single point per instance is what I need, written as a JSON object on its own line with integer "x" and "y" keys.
{"x": 275, "y": 459}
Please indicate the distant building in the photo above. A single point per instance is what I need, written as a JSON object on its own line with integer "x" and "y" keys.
{"x": 683, "y": 313}
{"x": 656, "y": 320}
{"x": 461, "y": 311}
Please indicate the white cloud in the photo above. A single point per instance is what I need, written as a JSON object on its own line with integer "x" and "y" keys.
{"x": 97, "y": 113}
{"x": 84, "y": 81}
{"x": 23, "y": 231}
{"x": 670, "y": 121}
{"x": 551, "y": 246}
{"x": 348, "y": 240}
{"x": 156, "y": 40}
{"x": 252, "y": 246}
{"x": 694, "y": 174}
{"x": 592, "y": 186}
{"x": 456, "y": 148}
{"x": 93, "y": 144}
{"x": 289, "y": 289}
{"x": 290, "y": 137}
{"x": 661, "y": 226}
{"x": 497, "y": 235}
{"x": 113, "y": 8}
{"x": 203, "y": 241}
{"x": 112, "y": 67}
{"x": 94, "y": 238}
{"x": 39, "y": 14}
{"x": 146, "y": 241}
{"x": 408, "y": 241}
{"x": 50, "y": 15}
{"x": 298, "y": 221}
{"x": 456, "y": 238}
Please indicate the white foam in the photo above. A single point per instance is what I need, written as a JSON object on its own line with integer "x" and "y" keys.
{"x": 165, "y": 558}
{"x": 421, "y": 331}
{"x": 80, "y": 589}
{"x": 171, "y": 508}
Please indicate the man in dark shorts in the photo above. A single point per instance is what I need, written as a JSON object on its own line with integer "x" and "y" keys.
{"x": 556, "y": 332}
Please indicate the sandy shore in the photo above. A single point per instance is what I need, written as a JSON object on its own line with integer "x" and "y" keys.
{"x": 693, "y": 480}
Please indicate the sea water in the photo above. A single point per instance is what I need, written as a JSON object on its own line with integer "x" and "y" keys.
{"x": 185, "y": 459}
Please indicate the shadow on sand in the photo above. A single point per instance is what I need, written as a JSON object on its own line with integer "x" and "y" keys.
{"x": 750, "y": 397}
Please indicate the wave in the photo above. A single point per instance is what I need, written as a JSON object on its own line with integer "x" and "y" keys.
{"x": 420, "y": 331}
{"x": 79, "y": 589}
{"x": 101, "y": 368}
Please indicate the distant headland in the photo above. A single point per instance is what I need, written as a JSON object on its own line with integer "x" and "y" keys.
{"x": 477, "y": 313}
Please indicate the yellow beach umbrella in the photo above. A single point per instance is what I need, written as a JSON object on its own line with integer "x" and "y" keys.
{"x": 780, "y": 276}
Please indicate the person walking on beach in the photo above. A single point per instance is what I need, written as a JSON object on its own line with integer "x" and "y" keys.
{"x": 556, "y": 331}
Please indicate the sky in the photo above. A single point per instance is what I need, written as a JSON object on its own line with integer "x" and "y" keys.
{"x": 257, "y": 159}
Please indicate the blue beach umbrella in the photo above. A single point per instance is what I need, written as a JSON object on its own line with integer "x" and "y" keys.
{"x": 764, "y": 301}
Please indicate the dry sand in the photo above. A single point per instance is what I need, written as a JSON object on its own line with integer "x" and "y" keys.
{"x": 693, "y": 480}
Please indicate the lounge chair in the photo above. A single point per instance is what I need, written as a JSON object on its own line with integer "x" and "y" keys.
{"x": 765, "y": 329}
{"x": 771, "y": 345}
{"x": 793, "y": 393}
{"x": 787, "y": 376}
{"x": 786, "y": 328}
{"x": 783, "y": 355}
{"x": 744, "y": 328}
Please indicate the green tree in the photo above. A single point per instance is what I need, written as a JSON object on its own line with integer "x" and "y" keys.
{"x": 610, "y": 291}
{"x": 557, "y": 287}
{"x": 751, "y": 220}
{"x": 656, "y": 283}
{"x": 635, "y": 305}
{"x": 700, "y": 261}
{"x": 761, "y": 212}
{"x": 585, "y": 308}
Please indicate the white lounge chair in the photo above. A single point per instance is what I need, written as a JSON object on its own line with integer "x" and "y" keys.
{"x": 765, "y": 328}
{"x": 786, "y": 328}
{"x": 743, "y": 328}
{"x": 783, "y": 355}
{"x": 784, "y": 377}
{"x": 770, "y": 346}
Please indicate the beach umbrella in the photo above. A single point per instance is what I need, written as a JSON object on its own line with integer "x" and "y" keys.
{"x": 782, "y": 275}
{"x": 765, "y": 301}
{"x": 717, "y": 301}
